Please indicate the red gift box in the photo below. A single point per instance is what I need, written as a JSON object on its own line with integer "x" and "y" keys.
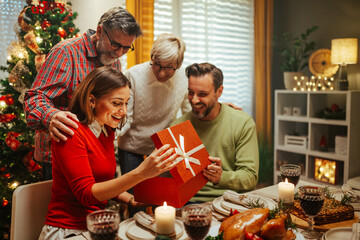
{"x": 186, "y": 178}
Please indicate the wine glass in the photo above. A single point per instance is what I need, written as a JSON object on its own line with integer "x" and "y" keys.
{"x": 197, "y": 221}
{"x": 311, "y": 202}
{"x": 290, "y": 171}
{"x": 103, "y": 224}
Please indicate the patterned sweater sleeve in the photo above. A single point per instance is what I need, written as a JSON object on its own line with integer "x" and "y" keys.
{"x": 53, "y": 80}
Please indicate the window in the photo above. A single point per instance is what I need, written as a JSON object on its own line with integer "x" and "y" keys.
{"x": 9, "y": 12}
{"x": 217, "y": 31}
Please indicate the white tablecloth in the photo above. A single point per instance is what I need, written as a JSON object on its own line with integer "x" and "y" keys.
{"x": 270, "y": 192}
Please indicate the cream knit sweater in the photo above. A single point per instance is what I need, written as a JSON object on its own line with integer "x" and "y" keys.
{"x": 152, "y": 107}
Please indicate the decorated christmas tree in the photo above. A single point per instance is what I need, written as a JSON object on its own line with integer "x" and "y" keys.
{"x": 41, "y": 25}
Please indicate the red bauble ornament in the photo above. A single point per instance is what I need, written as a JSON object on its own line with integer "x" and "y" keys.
{"x": 45, "y": 24}
{"x": 9, "y": 100}
{"x": 8, "y": 175}
{"x": 71, "y": 29}
{"x": 61, "y": 32}
{"x": 4, "y": 202}
{"x": 65, "y": 19}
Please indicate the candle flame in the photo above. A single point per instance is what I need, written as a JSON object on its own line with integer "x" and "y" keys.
{"x": 286, "y": 181}
{"x": 165, "y": 205}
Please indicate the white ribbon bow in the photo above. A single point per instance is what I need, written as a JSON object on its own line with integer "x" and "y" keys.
{"x": 180, "y": 150}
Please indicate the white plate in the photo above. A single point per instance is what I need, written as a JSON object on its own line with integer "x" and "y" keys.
{"x": 338, "y": 233}
{"x": 122, "y": 228}
{"x": 224, "y": 207}
{"x": 215, "y": 230}
{"x": 130, "y": 230}
{"x": 217, "y": 206}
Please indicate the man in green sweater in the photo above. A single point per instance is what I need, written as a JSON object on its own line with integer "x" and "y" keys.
{"x": 229, "y": 135}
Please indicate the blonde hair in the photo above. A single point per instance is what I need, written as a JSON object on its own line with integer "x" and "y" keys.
{"x": 167, "y": 47}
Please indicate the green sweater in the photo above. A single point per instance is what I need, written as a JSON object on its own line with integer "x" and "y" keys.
{"x": 231, "y": 136}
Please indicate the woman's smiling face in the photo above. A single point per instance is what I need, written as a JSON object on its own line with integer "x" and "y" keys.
{"x": 110, "y": 108}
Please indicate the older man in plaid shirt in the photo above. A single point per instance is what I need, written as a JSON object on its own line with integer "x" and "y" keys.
{"x": 46, "y": 103}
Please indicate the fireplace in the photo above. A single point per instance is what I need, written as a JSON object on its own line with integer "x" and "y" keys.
{"x": 327, "y": 170}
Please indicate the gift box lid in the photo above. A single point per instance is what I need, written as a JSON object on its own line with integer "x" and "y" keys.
{"x": 193, "y": 157}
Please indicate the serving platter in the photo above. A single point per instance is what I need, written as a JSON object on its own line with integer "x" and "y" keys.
{"x": 214, "y": 230}
{"x": 325, "y": 227}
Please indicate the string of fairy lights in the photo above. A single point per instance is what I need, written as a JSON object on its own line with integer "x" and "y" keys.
{"x": 314, "y": 83}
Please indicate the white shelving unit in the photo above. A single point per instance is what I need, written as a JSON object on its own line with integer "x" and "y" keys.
{"x": 311, "y": 125}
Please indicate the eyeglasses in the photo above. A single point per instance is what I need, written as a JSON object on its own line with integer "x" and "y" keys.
{"x": 158, "y": 67}
{"x": 117, "y": 45}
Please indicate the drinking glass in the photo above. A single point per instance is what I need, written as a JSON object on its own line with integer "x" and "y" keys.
{"x": 290, "y": 171}
{"x": 311, "y": 202}
{"x": 103, "y": 224}
{"x": 197, "y": 221}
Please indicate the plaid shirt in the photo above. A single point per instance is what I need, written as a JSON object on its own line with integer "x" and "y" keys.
{"x": 67, "y": 64}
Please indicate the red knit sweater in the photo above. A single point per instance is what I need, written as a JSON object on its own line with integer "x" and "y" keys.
{"x": 78, "y": 163}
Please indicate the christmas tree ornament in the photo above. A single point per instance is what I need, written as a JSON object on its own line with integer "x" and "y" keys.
{"x": 71, "y": 29}
{"x": 65, "y": 19}
{"x": 45, "y": 24}
{"x": 5, "y": 118}
{"x": 61, "y": 1}
{"x": 4, "y": 202}
{"x": 8, "y": 175}
{"x": 30, "y": 163}
{"x": 3, "y": 105}
{"x": 9, "y": 100}
{"x": 30, "y": 41}
{"x": 23, "y": 25}
{"x": 61, "y": 32}
{"x": 39, "y": 60}
{"x": 11, "y": 140}
{"x": 17, "y": 50}
{"x": 13, "y": 185}
{"x": 15, "y": 79}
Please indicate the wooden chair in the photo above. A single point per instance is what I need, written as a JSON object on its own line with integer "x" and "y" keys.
{"x": 29, "y": 209}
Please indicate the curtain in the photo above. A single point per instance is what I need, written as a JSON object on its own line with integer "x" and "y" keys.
{"x": 9, "y": 12}
{"x": 217, "y": 31}
{"x": 263, "y": 54}
{"x": 143, "y": 11}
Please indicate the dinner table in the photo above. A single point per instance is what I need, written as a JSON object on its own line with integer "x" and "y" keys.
{"x": 268, "y": 194}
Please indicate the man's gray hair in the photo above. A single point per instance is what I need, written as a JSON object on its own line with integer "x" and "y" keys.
{"x": 118, "y": 18}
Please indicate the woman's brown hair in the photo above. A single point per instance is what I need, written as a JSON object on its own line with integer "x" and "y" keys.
{"x": 98, "y": 82}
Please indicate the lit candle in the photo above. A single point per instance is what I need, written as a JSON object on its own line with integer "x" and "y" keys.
{"x": 286, "y": 191}
{"x": 165, "y": 219}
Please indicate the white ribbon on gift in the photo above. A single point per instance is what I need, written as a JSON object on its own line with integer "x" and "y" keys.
{"x": 180, "y": 150}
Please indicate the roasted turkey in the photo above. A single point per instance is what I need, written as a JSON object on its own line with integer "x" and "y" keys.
{"x": 255, "y": 221}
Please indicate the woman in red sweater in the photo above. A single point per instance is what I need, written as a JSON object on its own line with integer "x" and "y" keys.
{"x": 84, "y": 166}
